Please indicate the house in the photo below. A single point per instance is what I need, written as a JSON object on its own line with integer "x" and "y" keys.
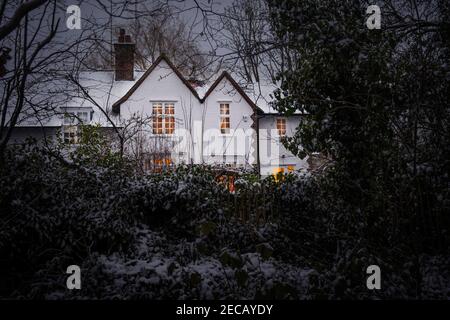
{"x": 168, "y": 120}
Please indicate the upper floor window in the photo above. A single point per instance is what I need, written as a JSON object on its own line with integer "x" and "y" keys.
{"x": 76, "y": 117}
{"x": 163, "y": 118}
{"x": 71, "y": 128}
{"x": 225, "y": 118}
{"x": 281, "y": 126}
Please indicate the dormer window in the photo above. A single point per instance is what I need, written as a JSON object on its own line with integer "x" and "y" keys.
{"x": 225, "y": 118}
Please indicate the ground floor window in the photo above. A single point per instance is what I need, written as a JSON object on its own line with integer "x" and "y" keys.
{"x": 72, "y": 125}
{"x": 279, "y": 172}
{"x": 157, "y": 164}
{"x": 72, "y": 134}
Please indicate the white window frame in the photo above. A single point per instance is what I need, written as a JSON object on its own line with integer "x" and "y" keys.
{"x": 164, "y": 117}
{"x": 285, "y": 126}
{"x": 225, "y": 116}
{"x": 72, "y": 120}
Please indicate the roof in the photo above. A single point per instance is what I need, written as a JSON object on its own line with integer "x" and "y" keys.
{"x": 227, "y": 76}
{"x": 200, "y": 92}
{"x": 102, "y": 87}
{"x": 116, "y": 105}
{"x": 109, "y": 93}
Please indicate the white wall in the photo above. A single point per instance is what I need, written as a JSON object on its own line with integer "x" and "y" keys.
{"x": 197, "y": 125}
{"x": 195, "y": 119}
{"x": 240, "y": 144}
{"x": 273, "y": 154}
{"x": 163, "y": 85}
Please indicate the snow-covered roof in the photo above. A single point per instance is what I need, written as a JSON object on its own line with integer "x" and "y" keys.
{"x": 102, "y": 88}
{"x": 261, "y": 93}
{"x": 108, "y": 93}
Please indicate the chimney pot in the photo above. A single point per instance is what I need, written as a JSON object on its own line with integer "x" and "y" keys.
{"x": 124, "y": 57}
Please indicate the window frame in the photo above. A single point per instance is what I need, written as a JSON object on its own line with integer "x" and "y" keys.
{"x": 280, "y": 132}
{"x": 225, "y": 117}
{"x": 165, "y": 118}
{"x": 72, "y": 120}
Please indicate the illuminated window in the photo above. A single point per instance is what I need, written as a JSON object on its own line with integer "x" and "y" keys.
{"x": 278, "y": 171}
{"x": 157, "y": 118}
{"x": 170, "y": 118}
{"x": 291, "y": 168}
{"x": 160, "y": 164}
{"x": 278, "y": 174}
{"x": 157, "y": 164}
{"x": 281, "y": 126}
{"x": 225, "y": 118}
{"x": 163, "y": 118}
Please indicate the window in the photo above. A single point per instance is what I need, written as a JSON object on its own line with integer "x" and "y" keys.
{"x": 225, "y": 118}
{"x": 160, "y": 164}
{"x": 278, "y": 174}
{"x": 71, "y": 134}
{"x": 163, "y": 118}
{"x": 157, "y": 164}
{"x": 71, "y": 127}
{"x": 281, "y": 126}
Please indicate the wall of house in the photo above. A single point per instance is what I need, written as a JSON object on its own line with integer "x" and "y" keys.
{"x": 163, "y": 85}
{"x": 197, "y": 138}
{"x": 239, "y": 146}
{"x": 21, "y": 134}
{"x": 273, "y": 155}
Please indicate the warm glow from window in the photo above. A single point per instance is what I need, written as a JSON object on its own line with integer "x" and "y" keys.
{"x": 157, "y": 164}
{"x": 278, "y": 174}
{"x": 163, "y": 118}
{"x": 160, "y": 164}
{"x": 278, "y": 170}
{"x": 281, "y": 126}
{"x": 225, "y": 118}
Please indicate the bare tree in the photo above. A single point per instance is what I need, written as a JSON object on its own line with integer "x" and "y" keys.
{"x": 39, "y": 56}
{"x": 28, "y": 60}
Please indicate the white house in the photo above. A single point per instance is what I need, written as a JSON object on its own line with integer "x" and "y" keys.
{"x": 174, "y": 120}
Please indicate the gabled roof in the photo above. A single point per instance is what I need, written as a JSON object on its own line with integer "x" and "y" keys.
{"x": 116, "y": 105}
{"x": 236, "y": 86}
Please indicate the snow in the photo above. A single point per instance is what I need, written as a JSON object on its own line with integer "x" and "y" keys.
{"x": 102, "y": 87}
{"x": 260, "y": 93}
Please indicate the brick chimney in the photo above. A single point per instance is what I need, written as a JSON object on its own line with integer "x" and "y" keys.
{"x": 124, "y": 57}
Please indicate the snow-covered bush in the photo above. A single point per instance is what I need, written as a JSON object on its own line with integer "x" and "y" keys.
{"x": 50, "y": 207}
{"x": 183, "y": 235}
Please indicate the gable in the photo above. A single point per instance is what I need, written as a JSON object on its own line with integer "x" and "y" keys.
{"x": 166, "y": 64}
{"x": 225, "y": 76}
{"x": 164, "y": 60}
